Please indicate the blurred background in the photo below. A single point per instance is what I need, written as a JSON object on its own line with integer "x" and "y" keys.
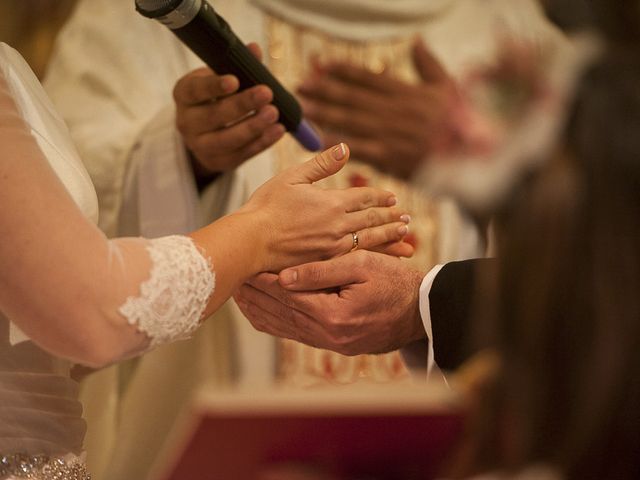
{"x": 30, "y": 26}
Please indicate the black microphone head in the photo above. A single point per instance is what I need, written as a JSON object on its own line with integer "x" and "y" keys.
{"x": 157, "y": 8}
{"x": 173, "y": 13}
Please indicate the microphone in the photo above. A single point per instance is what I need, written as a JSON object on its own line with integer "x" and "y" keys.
{"x": 209, "y": 36}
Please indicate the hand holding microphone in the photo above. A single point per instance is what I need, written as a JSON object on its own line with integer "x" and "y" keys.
{"x": 207, "y": 34}
{"x": 220, "y": 126}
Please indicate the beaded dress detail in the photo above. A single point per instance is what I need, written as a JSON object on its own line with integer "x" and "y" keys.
{"x": 42, "y": 467}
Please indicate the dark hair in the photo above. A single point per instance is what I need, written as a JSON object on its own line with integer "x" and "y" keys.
{"x": 567, "y": 322}
{"x": 617, "y": 20}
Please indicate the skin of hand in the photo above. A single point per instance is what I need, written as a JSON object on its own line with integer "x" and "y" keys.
{"x": 289, "y": 221}
{"x": 389, "y": 123}
{"x": 304, "y": 223}
{"x": 363, "y": 302}
{"x": 220, "y": 126}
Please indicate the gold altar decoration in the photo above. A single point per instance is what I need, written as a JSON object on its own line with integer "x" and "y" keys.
{"x": 290, "y": 50}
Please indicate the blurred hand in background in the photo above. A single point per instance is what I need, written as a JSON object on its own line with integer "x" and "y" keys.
{"x": 389, "y": 123}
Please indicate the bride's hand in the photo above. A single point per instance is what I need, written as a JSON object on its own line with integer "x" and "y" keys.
{"x": 304, "y": 223}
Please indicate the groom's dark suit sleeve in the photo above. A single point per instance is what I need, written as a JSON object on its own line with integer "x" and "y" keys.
{"x": 451, "y": 300}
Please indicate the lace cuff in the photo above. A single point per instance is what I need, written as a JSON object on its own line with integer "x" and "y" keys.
{"x": 172, "y": 301}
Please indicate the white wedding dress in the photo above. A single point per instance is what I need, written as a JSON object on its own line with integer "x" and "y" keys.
{"x": 40, "y": 415}
{"x": 157, "y": 288}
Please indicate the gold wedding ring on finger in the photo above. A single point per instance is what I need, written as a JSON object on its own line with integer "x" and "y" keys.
{"x": 356, "y": 242}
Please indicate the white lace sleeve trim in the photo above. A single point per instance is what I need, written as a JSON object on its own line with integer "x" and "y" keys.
{"x": 172, "y": 301}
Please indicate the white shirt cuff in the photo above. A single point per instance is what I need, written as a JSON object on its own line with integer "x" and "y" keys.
{"x": 425, "y": 313}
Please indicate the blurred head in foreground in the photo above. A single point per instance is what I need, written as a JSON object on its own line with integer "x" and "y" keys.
{"x": 512, "y": 112}
{"x": 566, "y": 323}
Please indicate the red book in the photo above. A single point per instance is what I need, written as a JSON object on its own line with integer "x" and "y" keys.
{"x": 387, "y": 432}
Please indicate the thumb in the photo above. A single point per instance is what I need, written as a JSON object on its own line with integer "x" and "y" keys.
{"x": 321, "y": 166}
{"x": 428, "y": 66}
{"x": 337, "y": 272}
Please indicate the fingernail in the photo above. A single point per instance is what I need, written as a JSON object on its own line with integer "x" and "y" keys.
{"x": 403, "y": 230}
{"x": 269, "y": 114}
{"x": 288, "y": 277}
{"x": 228, "y": 84}
{"x": 392, "y": 201}
{"x": 261, "y": 95}
{"x": 405, "y": 218}
{"x": 275, "y": 132}
{"x": 339, "y": 152}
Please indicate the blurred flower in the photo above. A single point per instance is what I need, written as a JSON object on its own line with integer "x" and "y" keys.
{"x": 505, "y": 121}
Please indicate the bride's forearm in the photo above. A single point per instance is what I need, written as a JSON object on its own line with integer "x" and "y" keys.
{"x": 236, "y": 248}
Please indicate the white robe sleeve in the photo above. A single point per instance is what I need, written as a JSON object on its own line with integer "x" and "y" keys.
{"x": 111, "y": 76}
{"x": 111, "y": 85}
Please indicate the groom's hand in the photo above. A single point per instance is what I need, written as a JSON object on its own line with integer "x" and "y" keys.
{"x": 363, "y": 302}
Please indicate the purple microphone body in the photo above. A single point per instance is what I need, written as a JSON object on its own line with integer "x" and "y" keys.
{"x": 209, "y": 36}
